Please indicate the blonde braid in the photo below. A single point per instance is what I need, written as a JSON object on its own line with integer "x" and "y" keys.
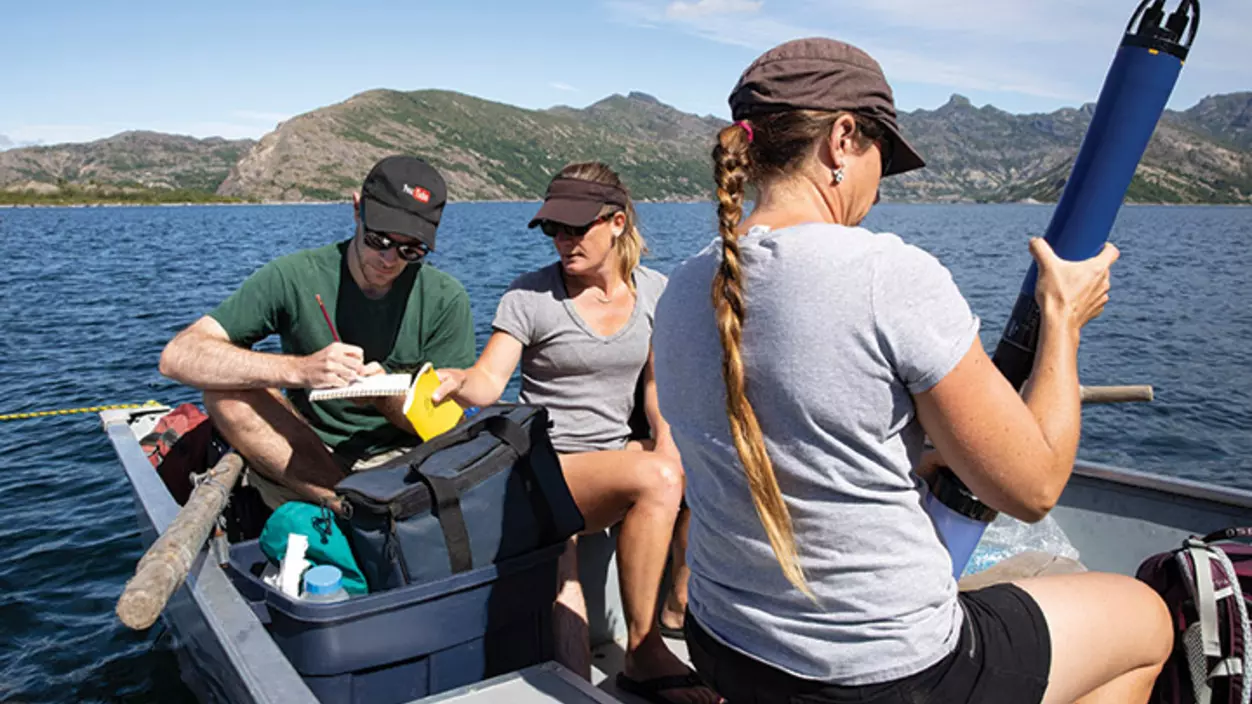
{"x": 731, "y": 168}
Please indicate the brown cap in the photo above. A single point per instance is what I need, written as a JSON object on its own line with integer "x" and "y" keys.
{"x": 822, "y": 74}
{"x": 577, "y": 202}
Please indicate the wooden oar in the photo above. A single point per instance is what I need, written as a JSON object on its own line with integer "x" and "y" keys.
{"x": 1116, "y": 394}
{"x": 163, "y": 568}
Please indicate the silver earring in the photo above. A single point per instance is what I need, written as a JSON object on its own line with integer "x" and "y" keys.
{"x": 838, "y": 174}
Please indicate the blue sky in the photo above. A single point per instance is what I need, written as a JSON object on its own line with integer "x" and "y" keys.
{"x": 75, "y": 71}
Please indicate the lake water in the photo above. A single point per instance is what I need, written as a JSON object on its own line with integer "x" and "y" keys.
{"x": 88, "y": 297}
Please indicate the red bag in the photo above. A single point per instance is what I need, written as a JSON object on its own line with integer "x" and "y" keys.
{"x": 181, "y": 444}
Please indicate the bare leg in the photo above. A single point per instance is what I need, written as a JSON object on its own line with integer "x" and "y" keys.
{"x": 573, "y": 649}
{"x": 675, "y": 607}
{"x": 1110, "y": 636}
{"x": 276, "y": 441}
{"x": 642, "y": 490}
{"x": 1133, "y": 686}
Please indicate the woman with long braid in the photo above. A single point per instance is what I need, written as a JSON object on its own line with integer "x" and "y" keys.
{"x": 799, "y": 394}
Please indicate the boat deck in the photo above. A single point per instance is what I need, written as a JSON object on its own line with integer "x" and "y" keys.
{"x": 1114, "y": 517}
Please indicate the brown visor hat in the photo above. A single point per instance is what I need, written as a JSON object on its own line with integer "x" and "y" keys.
{"x": 577, "y": 202}
{"x": 822, "y": 74}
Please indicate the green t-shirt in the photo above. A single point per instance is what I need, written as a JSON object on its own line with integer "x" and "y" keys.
{"x": 425, "y": 317}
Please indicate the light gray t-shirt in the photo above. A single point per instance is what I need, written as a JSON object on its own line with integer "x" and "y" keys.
{"x": 587, "y": 381}
{"x": 842, "y": 325}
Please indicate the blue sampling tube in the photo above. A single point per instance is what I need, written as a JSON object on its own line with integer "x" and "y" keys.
{"x": 1136, "y": 89}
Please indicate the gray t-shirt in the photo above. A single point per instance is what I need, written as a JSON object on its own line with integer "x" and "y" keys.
{"x": 587, "y": 381}
{"x": 842, "y": 325}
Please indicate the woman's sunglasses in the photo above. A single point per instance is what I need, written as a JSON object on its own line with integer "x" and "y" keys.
{"x": 407, "y": 252}
{"x": 885, "y": 150}
{"x": 552, "y": 228}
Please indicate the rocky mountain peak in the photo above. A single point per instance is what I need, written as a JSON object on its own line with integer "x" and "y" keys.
{"x": 489, "y": 150}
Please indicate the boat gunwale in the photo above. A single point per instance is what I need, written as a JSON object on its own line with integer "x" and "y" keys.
{"x": 265, "y": 671}
{"x": 1189, "y": 488}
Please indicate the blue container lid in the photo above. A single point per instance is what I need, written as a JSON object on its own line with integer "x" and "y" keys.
{"x": 323, "y": 579}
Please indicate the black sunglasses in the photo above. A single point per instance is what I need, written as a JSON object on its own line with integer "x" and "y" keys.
{"x": 885, "y": 146}
{"x": 407, "y": 252}
{"x": 885, "y": 149}
{"x": 551, "y": 228}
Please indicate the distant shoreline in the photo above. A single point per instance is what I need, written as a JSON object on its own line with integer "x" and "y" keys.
{"x": 83, "y": 206}
{"x": 157, "y": 205}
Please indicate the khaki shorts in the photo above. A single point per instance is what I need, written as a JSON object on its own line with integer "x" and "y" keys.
{"x": 275, "y": 495}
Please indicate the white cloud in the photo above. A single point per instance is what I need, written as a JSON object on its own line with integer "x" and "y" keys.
{"x": 1063, "y": 21}
{"x": 1057, "y": 51}
{"x": 704, "y": 8}
{"x": 562, "y": 86}
{"x": 929, "y": 57}
{"x": 760, "y": 33}
{"x": 971, "y": 73}
{"x": 5, "y": 142}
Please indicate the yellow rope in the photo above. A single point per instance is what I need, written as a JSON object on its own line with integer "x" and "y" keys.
{"x": 68, "y": 411}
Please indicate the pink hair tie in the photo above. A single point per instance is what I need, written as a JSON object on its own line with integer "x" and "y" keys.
{"x": 746, "y": 128}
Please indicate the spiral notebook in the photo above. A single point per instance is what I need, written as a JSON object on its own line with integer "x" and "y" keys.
{"x": 367, "y": 386}
{"x": 428, "y": 418}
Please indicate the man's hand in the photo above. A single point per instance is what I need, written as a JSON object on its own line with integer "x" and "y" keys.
{"x": 373, "y": 369}
{"x": 335, "y": 365}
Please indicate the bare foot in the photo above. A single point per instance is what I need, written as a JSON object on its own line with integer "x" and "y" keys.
{"x": 652, "y": 660}
{"x": 672, "y": 615}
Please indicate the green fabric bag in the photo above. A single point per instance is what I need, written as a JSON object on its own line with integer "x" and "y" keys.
{"x": 327, "y": 543}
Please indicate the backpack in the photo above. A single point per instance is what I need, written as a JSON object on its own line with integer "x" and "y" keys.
{"x": 1205, "y": 585}
{"x": 181, "y": 444}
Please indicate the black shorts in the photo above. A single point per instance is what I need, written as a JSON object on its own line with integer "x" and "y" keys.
{"x": 1003, "y": 656}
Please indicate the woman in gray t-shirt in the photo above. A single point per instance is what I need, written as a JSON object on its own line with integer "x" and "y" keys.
{"x": 800, "y": 392}
{"x": 582, "y": 330}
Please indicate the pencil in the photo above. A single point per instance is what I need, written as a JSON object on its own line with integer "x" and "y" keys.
{"x": 327, "y": 316}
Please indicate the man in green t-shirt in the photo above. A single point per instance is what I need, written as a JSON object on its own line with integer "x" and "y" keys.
{"x": 391, "y": 312}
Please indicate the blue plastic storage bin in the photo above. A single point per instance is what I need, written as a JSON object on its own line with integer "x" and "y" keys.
{"x": 402, "y": 644}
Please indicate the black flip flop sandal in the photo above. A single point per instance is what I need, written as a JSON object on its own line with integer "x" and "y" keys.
{"x": 671, "y": 632}
{"x": 652, "y": 689}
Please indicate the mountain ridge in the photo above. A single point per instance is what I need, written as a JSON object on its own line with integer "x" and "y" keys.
{"x": 489, "y": 150}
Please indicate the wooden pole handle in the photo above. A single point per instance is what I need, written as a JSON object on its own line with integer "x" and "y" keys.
{"x": 164, "y": 566}
{"x": 1116, "y": 394}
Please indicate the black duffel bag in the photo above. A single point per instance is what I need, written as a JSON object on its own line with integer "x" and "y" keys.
{"x": 484, "y": 491}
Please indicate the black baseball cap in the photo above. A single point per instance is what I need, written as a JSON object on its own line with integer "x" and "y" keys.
{"x": 403, "y": 195}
